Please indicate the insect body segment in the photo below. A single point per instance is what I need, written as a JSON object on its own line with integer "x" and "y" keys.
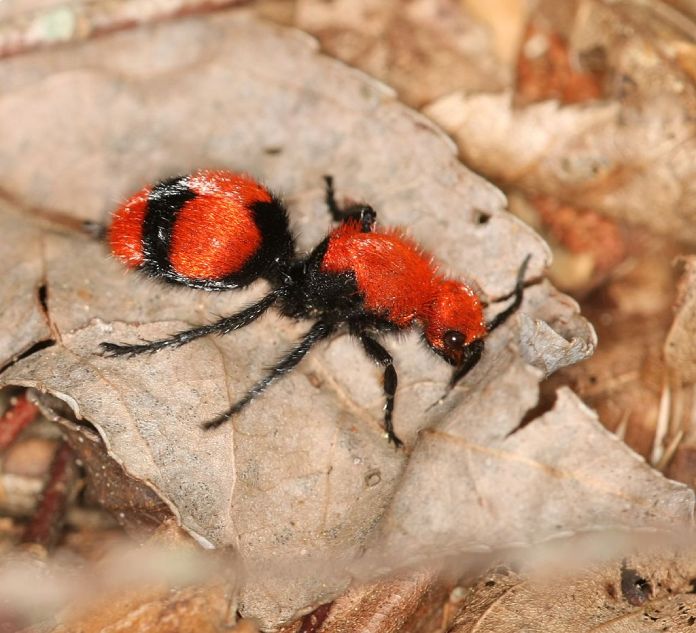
{"x": 217, "y": 230}
{"x": 212, "y": 230}
{"x": 395, "y": 279}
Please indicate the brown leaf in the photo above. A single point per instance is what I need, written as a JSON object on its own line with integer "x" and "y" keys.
{"x": 680, "y": 357}
{"x": 384, "y": 606}
{"x": 646, "y": 593}
{"x": 131, "y": 502}
{"x": 586, "y": 245}
{"x": 165, "y": 584}
{"x": 680, "y": 346}
{"x": 155, "y": 610}
{"x": 626, "y": 381}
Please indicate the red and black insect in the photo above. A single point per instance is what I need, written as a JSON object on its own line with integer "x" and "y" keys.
{"x": 217, "y": 230}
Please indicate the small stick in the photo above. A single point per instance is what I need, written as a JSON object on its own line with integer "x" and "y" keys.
{"x": 21, "y": 413}
{"x": 46, "y": 526}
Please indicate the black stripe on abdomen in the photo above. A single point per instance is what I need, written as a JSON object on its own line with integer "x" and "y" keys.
{"x": 163, "y": 205}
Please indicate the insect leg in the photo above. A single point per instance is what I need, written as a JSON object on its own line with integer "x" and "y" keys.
{"x": 334, "y": 210}
{"x": 95, "y": 230}
{"x": 319, "y": 331}
{"x": 384, "y": 359}
{"x": 225, "y": 325}
{"x": 499, "y": 319}
{"x": 472, "y": 355}
{"x": 363, "y": 212}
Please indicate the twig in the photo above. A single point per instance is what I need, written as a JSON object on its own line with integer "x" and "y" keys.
{"x": 46, "y": 526}
{"x": 662, "y": 425}
{"x": 670, "y": 450}
{"x": 20, "y": 414}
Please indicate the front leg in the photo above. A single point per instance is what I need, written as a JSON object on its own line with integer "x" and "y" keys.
{"x": 384, "y": 359}
{"x": 472, "y": 356}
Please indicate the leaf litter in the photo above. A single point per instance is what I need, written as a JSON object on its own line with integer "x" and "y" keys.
{"x": 596, "y": 154}
{"x": 642, "y": 593}
{"x": 303, "y": 481}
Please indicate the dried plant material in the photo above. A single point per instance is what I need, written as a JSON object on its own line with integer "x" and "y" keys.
{"x": 680, "y": 346}
{"x": 626, "y": 156}
{"x": 46, "y": 524}
{"x": 156, "y": 610}
{"x": 642, "y": 594}
{"x": 165, "y": 584}
{"x": 583, "y": 231}
{"x": 20, "y": 414}
{"x": 19, "y": 494}
{"x": 679, "y": 355}
{"x": 245, "y": 625}
{"x": 29, "y": 458}
{"x": 384, "y": 606}
{"x": 506, "y": 19}
{"x": 587, "y": 247}
{"x": 416, "y": 602}
{"x": 27, "y": 27}
{"x": 625, "y": 379}
{"x": 131, "y": 501}
{"x": 541, "y": 346}
{"x": 23, "y": 321}
{"x": 300, "y": 483}
{"x": 545, "y": 71}
{"x": 487, "y": 467}
{"x": 438, "y": 42}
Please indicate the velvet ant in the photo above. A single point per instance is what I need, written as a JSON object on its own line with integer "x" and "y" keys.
{"x": 218, "y": 230}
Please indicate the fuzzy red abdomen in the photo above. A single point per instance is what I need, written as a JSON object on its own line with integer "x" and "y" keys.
{"x": 216, "y": 233}
{"x": 394, "y": 276}
{"x": 126, "y": 231}
{"x": 211, "y": 233}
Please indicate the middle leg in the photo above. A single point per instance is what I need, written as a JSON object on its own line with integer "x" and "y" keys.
{"x": 318, "y": 332}
{"x": 384, "y": 359}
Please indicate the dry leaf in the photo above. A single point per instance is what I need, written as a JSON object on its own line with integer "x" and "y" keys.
{"x": 680, "y": 346}
{"x": 299, "y": 484}
{"x": 679, "y": 354}
{"x": 155, "y": 610}
{"x": 587, "y": 247}
{"x": 545, "y": 70}
{"x": 23, "y": 319}
{"x": 131, "y": 502}
{"x": 642, "y": 594}
{"x": 626, "y": 156}
{"x": 464, "y": 483}
{"x": 165, "y": 584}
{"x": 627, "y": 380}
{"x": 437, "y": 41}
{"x": 384, "y": 606}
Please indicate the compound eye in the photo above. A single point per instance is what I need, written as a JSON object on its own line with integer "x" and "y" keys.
{"x": 454, "y": 339}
